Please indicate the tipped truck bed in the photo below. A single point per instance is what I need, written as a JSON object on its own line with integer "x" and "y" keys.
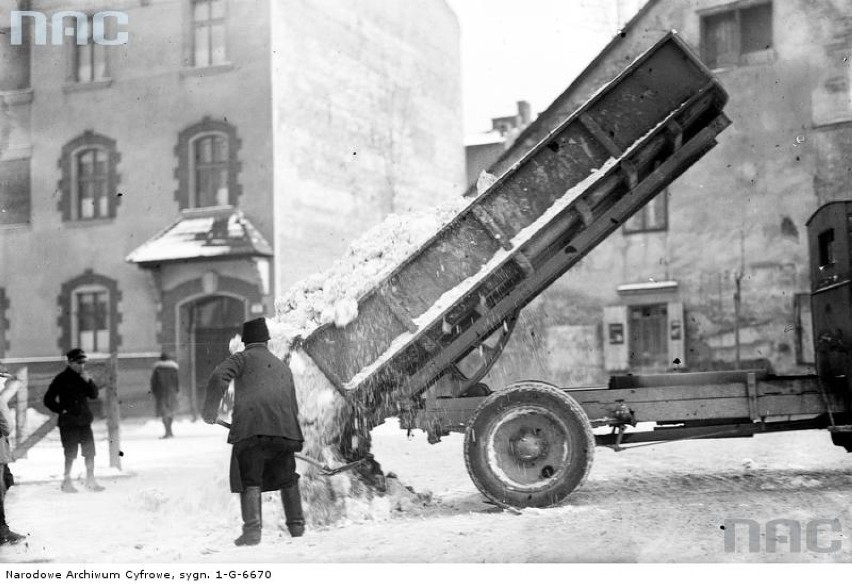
{"x": 608, "y": 159}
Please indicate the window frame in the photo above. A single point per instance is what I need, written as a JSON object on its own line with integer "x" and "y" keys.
{"x": 185, "y": 171}
{"x": 69, "y": 184}
{"x": 76, "y": 331}
{"x": 93, "y": 49}
{"x": 215, "y": 165}
{"x": 641, "y": 217}
{"x": 67, "y": 319}
{"x": 739, "y": 55}
{"x": 77, "y": 183}
{"x": 210, "y": 22}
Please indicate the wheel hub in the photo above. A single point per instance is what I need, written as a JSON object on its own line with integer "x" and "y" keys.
{"x": 529, "y": 446}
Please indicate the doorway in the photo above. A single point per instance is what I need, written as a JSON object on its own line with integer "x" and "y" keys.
{"x": 647, "y": 342}
{"x": 211, "y": 322}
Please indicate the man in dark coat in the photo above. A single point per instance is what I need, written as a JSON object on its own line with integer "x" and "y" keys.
{"x": 68, "y": 396}
{"x": 264, "y": 431}
{"x": 164, "y": 387}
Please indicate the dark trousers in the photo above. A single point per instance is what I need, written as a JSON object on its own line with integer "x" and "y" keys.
{"x": 74, "y": 437}
{"x": 267, "y": 462}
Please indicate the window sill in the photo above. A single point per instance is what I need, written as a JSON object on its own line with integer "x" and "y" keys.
{"x": 73, "y": 87}
{"x": 17, "y": 97}
{"x": 765, "y": 57}
{"x": 641, "y": 231}
{"x": 83, "y": 223}
{"x": 15, "y": 226}
{"x": 206, "y": 70}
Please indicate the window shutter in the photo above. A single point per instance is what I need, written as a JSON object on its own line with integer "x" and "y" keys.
{"x": 615, "y": 338}
{"x": 677, "y": 336}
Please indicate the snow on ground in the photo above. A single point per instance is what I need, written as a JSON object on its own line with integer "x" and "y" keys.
{"x": 170, "y": 503}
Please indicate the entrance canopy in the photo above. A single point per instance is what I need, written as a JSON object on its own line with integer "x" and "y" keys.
{"x": 208, "y": 233}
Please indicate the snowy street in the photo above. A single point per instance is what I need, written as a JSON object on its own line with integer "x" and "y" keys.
{"x": 661, "y": 503}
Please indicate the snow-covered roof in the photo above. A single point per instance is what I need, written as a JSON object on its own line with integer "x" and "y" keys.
{"x": 648, "y": 286}
{"x": 211, "y": 232}
{"x": 492, "y": 137}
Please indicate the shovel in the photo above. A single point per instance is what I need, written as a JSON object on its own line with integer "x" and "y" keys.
{"x": 326, "y": 470}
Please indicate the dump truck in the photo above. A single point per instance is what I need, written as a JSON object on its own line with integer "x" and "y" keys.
{"x": 427, "y": 334}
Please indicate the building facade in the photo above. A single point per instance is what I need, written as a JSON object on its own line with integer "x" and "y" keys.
{"x": 156, "y": 193}
{"x": 484, "y": 149}
{"x": 713, "y": 274}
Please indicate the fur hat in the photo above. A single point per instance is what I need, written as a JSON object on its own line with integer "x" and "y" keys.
{"x": 255, "y": 331}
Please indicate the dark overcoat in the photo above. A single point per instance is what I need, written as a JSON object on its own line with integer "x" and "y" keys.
{"x": 68, "y": 395}
{"x": 264, "y": 405}
{"x": 165, "y": 388}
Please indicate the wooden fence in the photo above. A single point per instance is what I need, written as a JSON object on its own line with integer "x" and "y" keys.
{"x": 25, "y": 388}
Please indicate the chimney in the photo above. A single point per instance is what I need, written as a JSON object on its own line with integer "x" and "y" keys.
{"x": 524, "y": 114}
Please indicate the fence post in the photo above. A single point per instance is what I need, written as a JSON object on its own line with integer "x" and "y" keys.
{"x": 21, "y": 403}
{"x": 113, "y": 414}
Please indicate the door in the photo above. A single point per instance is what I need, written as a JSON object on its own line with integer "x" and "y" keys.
{"x": 215, "y": 320}
{"x": 647, "y": 337}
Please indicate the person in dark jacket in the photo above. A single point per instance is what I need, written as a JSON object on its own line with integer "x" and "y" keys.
{"x": 68, "y": 395}
{"x": 165, "y": 388}
{"x": 264, "y": 430}
{"x": 6, "y": 534}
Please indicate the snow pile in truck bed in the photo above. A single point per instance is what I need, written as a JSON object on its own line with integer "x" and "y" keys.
{"x": 332, "y": 296}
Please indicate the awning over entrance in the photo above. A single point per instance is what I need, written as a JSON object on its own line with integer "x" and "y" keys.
{"x": 208, "y": 233}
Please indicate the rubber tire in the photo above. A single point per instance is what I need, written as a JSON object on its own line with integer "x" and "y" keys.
{"x": 842, "y": 439}
{"x": 524, "y": 394}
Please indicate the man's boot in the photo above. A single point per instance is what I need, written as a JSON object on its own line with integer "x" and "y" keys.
{"x": 250, "y": 506}
{"x": 292, "y": 500}
{"x": 9, "y": 536}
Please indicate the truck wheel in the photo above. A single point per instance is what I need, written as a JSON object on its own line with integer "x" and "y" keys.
{"x": 529, "y": 445}
{"x": 843, "y": 439}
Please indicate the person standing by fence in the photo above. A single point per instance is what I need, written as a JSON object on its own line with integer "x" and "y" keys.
{"x": 68, "y": 395}
{"x": 165, "y": 388}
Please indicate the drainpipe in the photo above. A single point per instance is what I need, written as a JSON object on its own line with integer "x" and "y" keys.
{"x": 737, "y": 280}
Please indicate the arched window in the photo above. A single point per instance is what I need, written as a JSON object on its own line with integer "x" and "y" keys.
{"x": 207, "y": 165}
{"x": 89, "y": 314}
{"x": 209, "y": 170}
{"x": 89, "y": 179}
